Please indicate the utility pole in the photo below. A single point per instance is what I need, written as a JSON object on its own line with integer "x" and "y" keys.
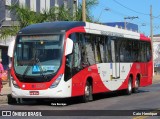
{"x": 151, "y": 33}
{"x": 125, "y": 23}
{"x": 151, "y": 24}
{"x": 74, "y": 10}
{"x": 84, "y": 10}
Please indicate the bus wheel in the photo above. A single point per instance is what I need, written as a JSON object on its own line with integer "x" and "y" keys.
{"x": 137, "y": 83}
{"x": 129, "y": 88}
{"x": 87, "y": 93}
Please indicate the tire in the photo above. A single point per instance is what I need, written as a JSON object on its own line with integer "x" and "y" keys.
{"x": 11, "y": 100}
{"x": 19, "y": 100}
{"x": 129, "y": 88}
{"x": 40, "y": 101}
{"x": 87, "y": 93}
{"x": 137, "y": 84}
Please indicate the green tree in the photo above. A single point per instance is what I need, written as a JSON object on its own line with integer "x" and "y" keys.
{"x": 26, "y": 17}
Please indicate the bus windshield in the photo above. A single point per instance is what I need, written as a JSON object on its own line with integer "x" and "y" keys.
{"x": 38, "y": 55}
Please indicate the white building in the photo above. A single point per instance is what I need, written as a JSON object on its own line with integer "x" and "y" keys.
{"x": 156, "y": 50}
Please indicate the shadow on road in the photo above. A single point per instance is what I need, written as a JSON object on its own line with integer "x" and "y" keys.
{"x": 66, "y": 101}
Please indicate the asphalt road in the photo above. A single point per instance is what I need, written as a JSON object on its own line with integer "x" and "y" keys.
{"x": 116, "y": 103}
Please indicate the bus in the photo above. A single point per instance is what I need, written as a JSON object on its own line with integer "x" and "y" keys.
{"x": 67, "y": 59}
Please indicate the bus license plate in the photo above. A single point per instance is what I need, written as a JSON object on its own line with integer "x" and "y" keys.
{"x": 34, "y": 92}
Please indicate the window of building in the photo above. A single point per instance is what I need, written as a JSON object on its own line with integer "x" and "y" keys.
{"x": 8, "y": 14}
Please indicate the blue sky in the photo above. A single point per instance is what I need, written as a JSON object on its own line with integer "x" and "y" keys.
{"x": 140, "y": 8}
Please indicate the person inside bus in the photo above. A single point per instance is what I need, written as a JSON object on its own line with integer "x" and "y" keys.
{"x": 1, "y": 71}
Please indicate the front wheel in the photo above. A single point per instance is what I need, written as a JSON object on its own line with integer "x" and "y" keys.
{"x": 87, "y": 93}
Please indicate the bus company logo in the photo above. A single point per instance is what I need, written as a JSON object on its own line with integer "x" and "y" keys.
{"x": 6, "y": 113}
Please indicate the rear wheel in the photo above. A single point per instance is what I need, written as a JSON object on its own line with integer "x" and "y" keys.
{"x": 137, "y": 83}
{"x": 129, "y": 88}
{"x": 87, "y": 93}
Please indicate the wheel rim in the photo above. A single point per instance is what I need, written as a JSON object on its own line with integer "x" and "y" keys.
{"x": 129, "y": 86}
{"x": 87, "y": 91}
{"x": 136, "y": 84}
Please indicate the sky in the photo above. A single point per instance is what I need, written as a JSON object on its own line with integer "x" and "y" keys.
{"x": 118, "y": 9}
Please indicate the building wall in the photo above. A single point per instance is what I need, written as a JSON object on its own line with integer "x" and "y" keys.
{"x": 35, "y": 5}
{"x": 156, "y": 51}
{"x": 2, "y": 10}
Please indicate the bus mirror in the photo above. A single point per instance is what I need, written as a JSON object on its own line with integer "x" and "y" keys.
{"x": 69, "y": 46}
{"x": 11, "y": 47}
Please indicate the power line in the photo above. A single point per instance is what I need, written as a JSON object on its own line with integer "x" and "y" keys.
{"x": 130, "y": 8}
{"x": 113, "y": 11}
{"x": 122, "y": 14}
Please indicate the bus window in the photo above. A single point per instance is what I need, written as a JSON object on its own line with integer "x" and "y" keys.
{"x": 117, "y": 49}
{"x": 108, "y": 49}
{"x": 135, "y": 51}
{"x": 126, "y": 54}
{"x": 97, "y": 50}
{"x": 143, "y": 52}
{"x": 148, "y": 51}
{"x": 102, "y": 49}
{"x": 89, "y": 49}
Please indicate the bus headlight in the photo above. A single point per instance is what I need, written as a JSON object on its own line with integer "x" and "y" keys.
{"x": 56, "y": 82}
{"x": 14, "y": 83}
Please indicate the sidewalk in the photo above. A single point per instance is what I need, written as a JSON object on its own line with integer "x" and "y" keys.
{"x": 6, "y": 90}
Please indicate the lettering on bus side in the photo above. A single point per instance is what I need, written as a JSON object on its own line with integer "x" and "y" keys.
{"x": 111, "y": 34}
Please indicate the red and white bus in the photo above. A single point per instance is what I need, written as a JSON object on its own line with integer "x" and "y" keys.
{"x": 68, "y": 59}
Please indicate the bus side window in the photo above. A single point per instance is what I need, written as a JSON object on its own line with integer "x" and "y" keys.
{"x": 97, "y": 50}
{"x": 148, "y": 52}
{"x": 74, "y": 60}
{"x": 102, "y": 49}
{"x": 122, "y": 50}
{"x": 108, "y": 55}
{"x": 89, "y": 48}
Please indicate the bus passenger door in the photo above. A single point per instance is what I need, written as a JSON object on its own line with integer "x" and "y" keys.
{"x": 115, "y": 60}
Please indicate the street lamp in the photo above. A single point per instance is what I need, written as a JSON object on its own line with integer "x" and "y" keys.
{"x": 106, "y": 9}
{"x": 142, "y": 25}
{"x": 125, "y": 23}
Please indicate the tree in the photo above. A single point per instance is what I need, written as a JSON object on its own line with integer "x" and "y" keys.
{"x": 26, "y": 17}
{"x": 89, "y": 5}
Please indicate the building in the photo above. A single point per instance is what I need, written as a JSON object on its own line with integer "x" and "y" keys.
{"x": 7, "y": 19}
{"x": 156, "y": 50}
{"x": 124, "y": 25}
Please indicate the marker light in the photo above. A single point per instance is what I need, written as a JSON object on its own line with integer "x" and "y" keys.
{"x": 56, "y": 82}
{"x": 14, "y": 83}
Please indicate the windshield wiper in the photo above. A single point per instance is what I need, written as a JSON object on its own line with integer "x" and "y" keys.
{"x": 41, "y": 69}
{"x": 33, "y": 62}
{"x": 28, "y": 67}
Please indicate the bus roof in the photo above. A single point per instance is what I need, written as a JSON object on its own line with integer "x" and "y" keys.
{"x": 62, "y": 26}
{"x": 50, "y": 27}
